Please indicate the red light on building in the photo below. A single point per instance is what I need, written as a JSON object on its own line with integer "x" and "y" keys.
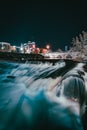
{"x": 38, "y": 49}
{"x": 33, "y": 46}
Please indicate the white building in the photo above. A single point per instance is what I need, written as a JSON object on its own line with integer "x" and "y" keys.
{"x": 27, "y": 47}
{"x": 4, "y": 47}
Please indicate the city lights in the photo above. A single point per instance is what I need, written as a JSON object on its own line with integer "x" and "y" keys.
{"x": 47, "y": 47}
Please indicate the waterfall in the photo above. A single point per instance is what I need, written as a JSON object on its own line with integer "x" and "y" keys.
{"x": 36, "y": 96}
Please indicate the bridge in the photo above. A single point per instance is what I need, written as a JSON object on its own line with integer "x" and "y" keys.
{"x": 23, "y": 57}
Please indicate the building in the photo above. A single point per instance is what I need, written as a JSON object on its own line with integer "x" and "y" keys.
{"x": 5, "y": 47}
{"x": 28, "y": 47}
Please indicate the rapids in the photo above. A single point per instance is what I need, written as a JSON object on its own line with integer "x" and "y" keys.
{"x": 42, "y": 96}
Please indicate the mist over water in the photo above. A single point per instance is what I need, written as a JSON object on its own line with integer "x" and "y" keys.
{"x": 36, "y": 96}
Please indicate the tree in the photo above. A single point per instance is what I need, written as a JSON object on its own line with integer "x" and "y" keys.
{"x": 79, "y": 42}
{"x": 84, "y": 37}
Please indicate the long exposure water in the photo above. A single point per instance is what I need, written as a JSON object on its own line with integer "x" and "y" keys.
{"x": 42, "y": 96}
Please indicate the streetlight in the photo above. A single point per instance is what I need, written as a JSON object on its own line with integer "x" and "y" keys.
{"x": 47, "y": 47}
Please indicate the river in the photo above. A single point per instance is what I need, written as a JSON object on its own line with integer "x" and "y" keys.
{"x": 42, "y": 96}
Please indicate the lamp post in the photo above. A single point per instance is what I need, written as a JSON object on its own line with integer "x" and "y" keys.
{"x": 48, "y": 47}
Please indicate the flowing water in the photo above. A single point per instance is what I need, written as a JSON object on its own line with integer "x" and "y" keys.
{"x": 42, "y": 96}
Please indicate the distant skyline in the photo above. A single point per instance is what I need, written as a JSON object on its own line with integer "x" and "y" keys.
{"x": 43, "y": 22}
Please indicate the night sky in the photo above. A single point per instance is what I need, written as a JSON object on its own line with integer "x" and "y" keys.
{"x": 54, "y": 22}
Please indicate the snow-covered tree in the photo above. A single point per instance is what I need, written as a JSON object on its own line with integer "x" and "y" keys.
{"x": 79, "y": 42}
{"x": 84, "y": 37}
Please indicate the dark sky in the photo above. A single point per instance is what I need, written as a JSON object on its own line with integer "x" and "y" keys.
{"x": 54, "y": 22}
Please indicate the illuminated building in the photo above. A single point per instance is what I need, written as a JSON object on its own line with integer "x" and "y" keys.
{"x": 28, "y": 47}
{"x": 5, "y": 47}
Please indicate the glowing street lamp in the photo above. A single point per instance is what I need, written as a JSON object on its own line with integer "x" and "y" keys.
{"x": 47, "y": 47}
